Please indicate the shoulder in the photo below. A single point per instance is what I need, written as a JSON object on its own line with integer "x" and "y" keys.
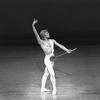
{"x": 53, "y": 40}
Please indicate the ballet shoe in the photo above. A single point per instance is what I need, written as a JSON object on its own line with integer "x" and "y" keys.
{"x": 44, "y": 90}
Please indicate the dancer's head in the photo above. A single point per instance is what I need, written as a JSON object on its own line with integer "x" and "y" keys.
{"x": 44, "y": 34}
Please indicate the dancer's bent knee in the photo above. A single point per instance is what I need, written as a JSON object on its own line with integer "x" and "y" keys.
{"x": 46, "y": 75}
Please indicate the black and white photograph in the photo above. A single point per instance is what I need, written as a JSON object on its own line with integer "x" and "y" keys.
{"x": 49, "y": 50}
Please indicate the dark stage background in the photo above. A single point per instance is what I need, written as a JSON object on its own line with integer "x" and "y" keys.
{"x": 68, "y": 21}
{"x": 74, "y": 23}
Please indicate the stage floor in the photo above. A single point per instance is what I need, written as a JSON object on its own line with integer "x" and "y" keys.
{"x": 77, "y": 74}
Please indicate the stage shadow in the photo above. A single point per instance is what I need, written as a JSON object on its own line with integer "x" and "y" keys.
{"x": 48, "y": 96}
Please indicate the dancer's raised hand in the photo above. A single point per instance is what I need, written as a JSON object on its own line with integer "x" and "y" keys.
{"x": 34, "y": 22}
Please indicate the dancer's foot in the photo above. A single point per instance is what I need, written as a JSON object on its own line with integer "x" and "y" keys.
{"x": 54, "y": 92}
{"x": 44, "y": 90}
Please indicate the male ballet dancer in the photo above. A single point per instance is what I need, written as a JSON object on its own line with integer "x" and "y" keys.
{"x": 48, "y": 47}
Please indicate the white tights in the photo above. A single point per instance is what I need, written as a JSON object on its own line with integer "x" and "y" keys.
{"x": 48, "y": 70}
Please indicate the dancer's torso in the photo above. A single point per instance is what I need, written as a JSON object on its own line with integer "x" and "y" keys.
{"x": 48, "y": 47}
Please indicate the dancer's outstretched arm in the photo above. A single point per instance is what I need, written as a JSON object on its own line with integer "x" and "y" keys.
{"x": 35, "y": 32}
{"x": 62, "y": 46}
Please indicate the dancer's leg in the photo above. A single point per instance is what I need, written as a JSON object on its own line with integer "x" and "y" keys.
{"x": 44, "y": 78}
{"x": 52, "y": 78}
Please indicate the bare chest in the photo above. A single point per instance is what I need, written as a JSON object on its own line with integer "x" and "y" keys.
{"x": 46, "y": 46}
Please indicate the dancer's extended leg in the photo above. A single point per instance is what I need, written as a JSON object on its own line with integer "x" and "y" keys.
{"x": 44, "y": 78}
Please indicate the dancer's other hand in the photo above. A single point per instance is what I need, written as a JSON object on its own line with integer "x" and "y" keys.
{"x": 69, "y": 50}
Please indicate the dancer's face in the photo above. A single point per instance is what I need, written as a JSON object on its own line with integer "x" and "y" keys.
{"x": 47, "y": 35}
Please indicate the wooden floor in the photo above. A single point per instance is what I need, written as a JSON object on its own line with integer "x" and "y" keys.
{"x": 77, "y": 74}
